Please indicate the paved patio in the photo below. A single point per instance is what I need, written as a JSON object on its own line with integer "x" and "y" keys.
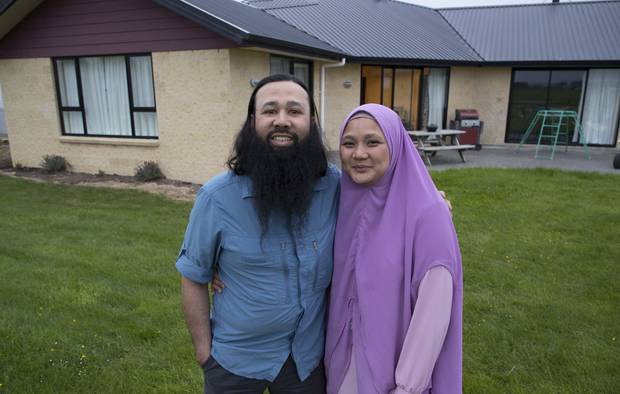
{"x": 506, "y": 156}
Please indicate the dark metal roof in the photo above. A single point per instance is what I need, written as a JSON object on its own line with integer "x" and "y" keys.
{"x": 250, "y": 26}
{"x": 388, "y": 31}
{"x": 560, "y": 32}
{"x": 375, "y": 29}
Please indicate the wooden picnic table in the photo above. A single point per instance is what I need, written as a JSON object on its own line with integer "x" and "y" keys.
{"x": 429, "y": 143}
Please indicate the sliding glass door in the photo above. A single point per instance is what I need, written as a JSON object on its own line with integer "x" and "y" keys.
{"x": 418, "y": 95}
{"x": 533, "y": 90}
{"x": 594, "y": 94}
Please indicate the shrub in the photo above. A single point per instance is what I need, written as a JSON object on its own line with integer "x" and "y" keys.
{"x": 18, "y": 166}
{"x": 100, "y": 173}
{"x": 54, "y": 163}
{"x": 148, "y": 171}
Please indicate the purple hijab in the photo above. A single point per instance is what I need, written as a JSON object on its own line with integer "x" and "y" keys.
{"x": 388, "y": 236}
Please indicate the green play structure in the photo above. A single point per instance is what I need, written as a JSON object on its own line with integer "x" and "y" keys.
{"x": 554, "y": 128}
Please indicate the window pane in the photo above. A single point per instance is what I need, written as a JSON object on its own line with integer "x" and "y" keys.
{"x": 565, "y": 89}
{"x": 528, "y": 94}
{"x": 67, "y": 83}
{"x": 371, "y": 84}
{"x": 302, "y": 71}
{"x": 142, "y": 81}
{"x": 106, "y": 102}
{"x": 565, "y": 93}
{"x": 402, "y": 95}
{"x": 146, "y": 124}
{"x": 388, "y": 74}
{"x": 280, "y": 65}
{"x": 73, "y": 123}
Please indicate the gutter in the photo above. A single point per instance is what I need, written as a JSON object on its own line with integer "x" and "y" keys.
{"x": 323, "y": 67}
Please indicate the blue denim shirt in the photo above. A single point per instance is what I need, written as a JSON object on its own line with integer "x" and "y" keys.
{"x": 274, "y": 301}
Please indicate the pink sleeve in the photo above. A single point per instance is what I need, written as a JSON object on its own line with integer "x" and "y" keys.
{"x": 427, "y": 331}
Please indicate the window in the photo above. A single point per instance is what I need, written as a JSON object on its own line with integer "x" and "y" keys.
{"x": 301, "y": 69}
{"x": 106, "y": 96}
{"x": 593, "y": 93}
{"x": 418, "y": 95}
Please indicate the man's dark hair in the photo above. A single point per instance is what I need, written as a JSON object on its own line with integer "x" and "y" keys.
{"x": 283, "y": 178}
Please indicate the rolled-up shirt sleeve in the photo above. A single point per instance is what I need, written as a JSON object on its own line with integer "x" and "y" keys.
{"x": 202, "y": 239}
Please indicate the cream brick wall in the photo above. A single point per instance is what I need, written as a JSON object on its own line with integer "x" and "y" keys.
{"x": 245, "y": 65}
{"x": 339, "y": 101}
{"x": 486, "y": 89}
{"x": 193, "y": 93}
{"x": 30, "y": 108}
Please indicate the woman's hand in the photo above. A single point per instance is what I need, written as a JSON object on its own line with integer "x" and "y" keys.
{"x": 216, "y": 282}
{"x": 443, "y": 194}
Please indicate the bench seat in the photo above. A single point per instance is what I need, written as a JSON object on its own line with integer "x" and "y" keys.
{"x": 446, "y": 147}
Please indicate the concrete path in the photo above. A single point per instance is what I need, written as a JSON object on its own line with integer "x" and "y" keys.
{"x": 506, "y": 156}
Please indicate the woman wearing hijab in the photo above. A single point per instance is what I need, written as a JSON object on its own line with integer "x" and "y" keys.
{"x": 395, "y": 312}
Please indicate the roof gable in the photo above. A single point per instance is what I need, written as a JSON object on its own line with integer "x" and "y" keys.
{"x": 250, "y": 26}
{"x": 371, "y": 29}
{"x": 80, "y": 28}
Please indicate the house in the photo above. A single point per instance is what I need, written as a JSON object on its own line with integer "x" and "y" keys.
{"x": 109, "y": 84}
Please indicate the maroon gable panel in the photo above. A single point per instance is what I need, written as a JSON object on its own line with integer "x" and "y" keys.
{"x": 103, "y": 27}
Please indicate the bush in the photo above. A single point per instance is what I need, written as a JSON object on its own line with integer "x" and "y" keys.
{"x": 148, "y": 171}
{"x": 54, "y": 163}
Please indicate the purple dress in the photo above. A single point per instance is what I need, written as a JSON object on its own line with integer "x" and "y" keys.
{"x": 388, "y": 236}
{"x": 424, "y": 339}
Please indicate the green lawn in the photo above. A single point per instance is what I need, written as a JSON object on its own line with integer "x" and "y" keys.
{"x": 89, "y": 295}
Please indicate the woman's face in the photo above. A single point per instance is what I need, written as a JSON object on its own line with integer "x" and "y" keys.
{"x": 364, "y": 151}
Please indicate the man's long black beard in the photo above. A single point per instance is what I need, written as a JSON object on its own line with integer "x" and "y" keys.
{"x": 283, "y": 178}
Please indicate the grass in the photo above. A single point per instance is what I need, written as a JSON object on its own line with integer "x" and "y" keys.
{"x": 89, "y": 297}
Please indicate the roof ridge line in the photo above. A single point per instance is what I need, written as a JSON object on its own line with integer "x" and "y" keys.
{"x": 215, "y": 16}
{"x": 285, "y": 7}
{"x": 413, "y": 4}
{"x": 342, "y": 51}
{"x": 458, "y": 33}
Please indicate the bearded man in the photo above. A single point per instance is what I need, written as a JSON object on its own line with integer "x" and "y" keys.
{"x": 268, "y": 225}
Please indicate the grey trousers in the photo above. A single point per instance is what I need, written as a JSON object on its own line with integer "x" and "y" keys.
{"x": 220, "y": 381}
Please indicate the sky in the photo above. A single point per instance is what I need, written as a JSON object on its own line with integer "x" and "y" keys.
{"x": 473, "y": 3}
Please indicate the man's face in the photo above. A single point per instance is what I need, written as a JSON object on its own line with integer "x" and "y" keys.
{"x": 282, "y": 113}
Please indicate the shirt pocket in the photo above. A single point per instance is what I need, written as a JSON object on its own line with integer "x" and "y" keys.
{"x": 259, "y": 274}
{"x": 320, "y": 261}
